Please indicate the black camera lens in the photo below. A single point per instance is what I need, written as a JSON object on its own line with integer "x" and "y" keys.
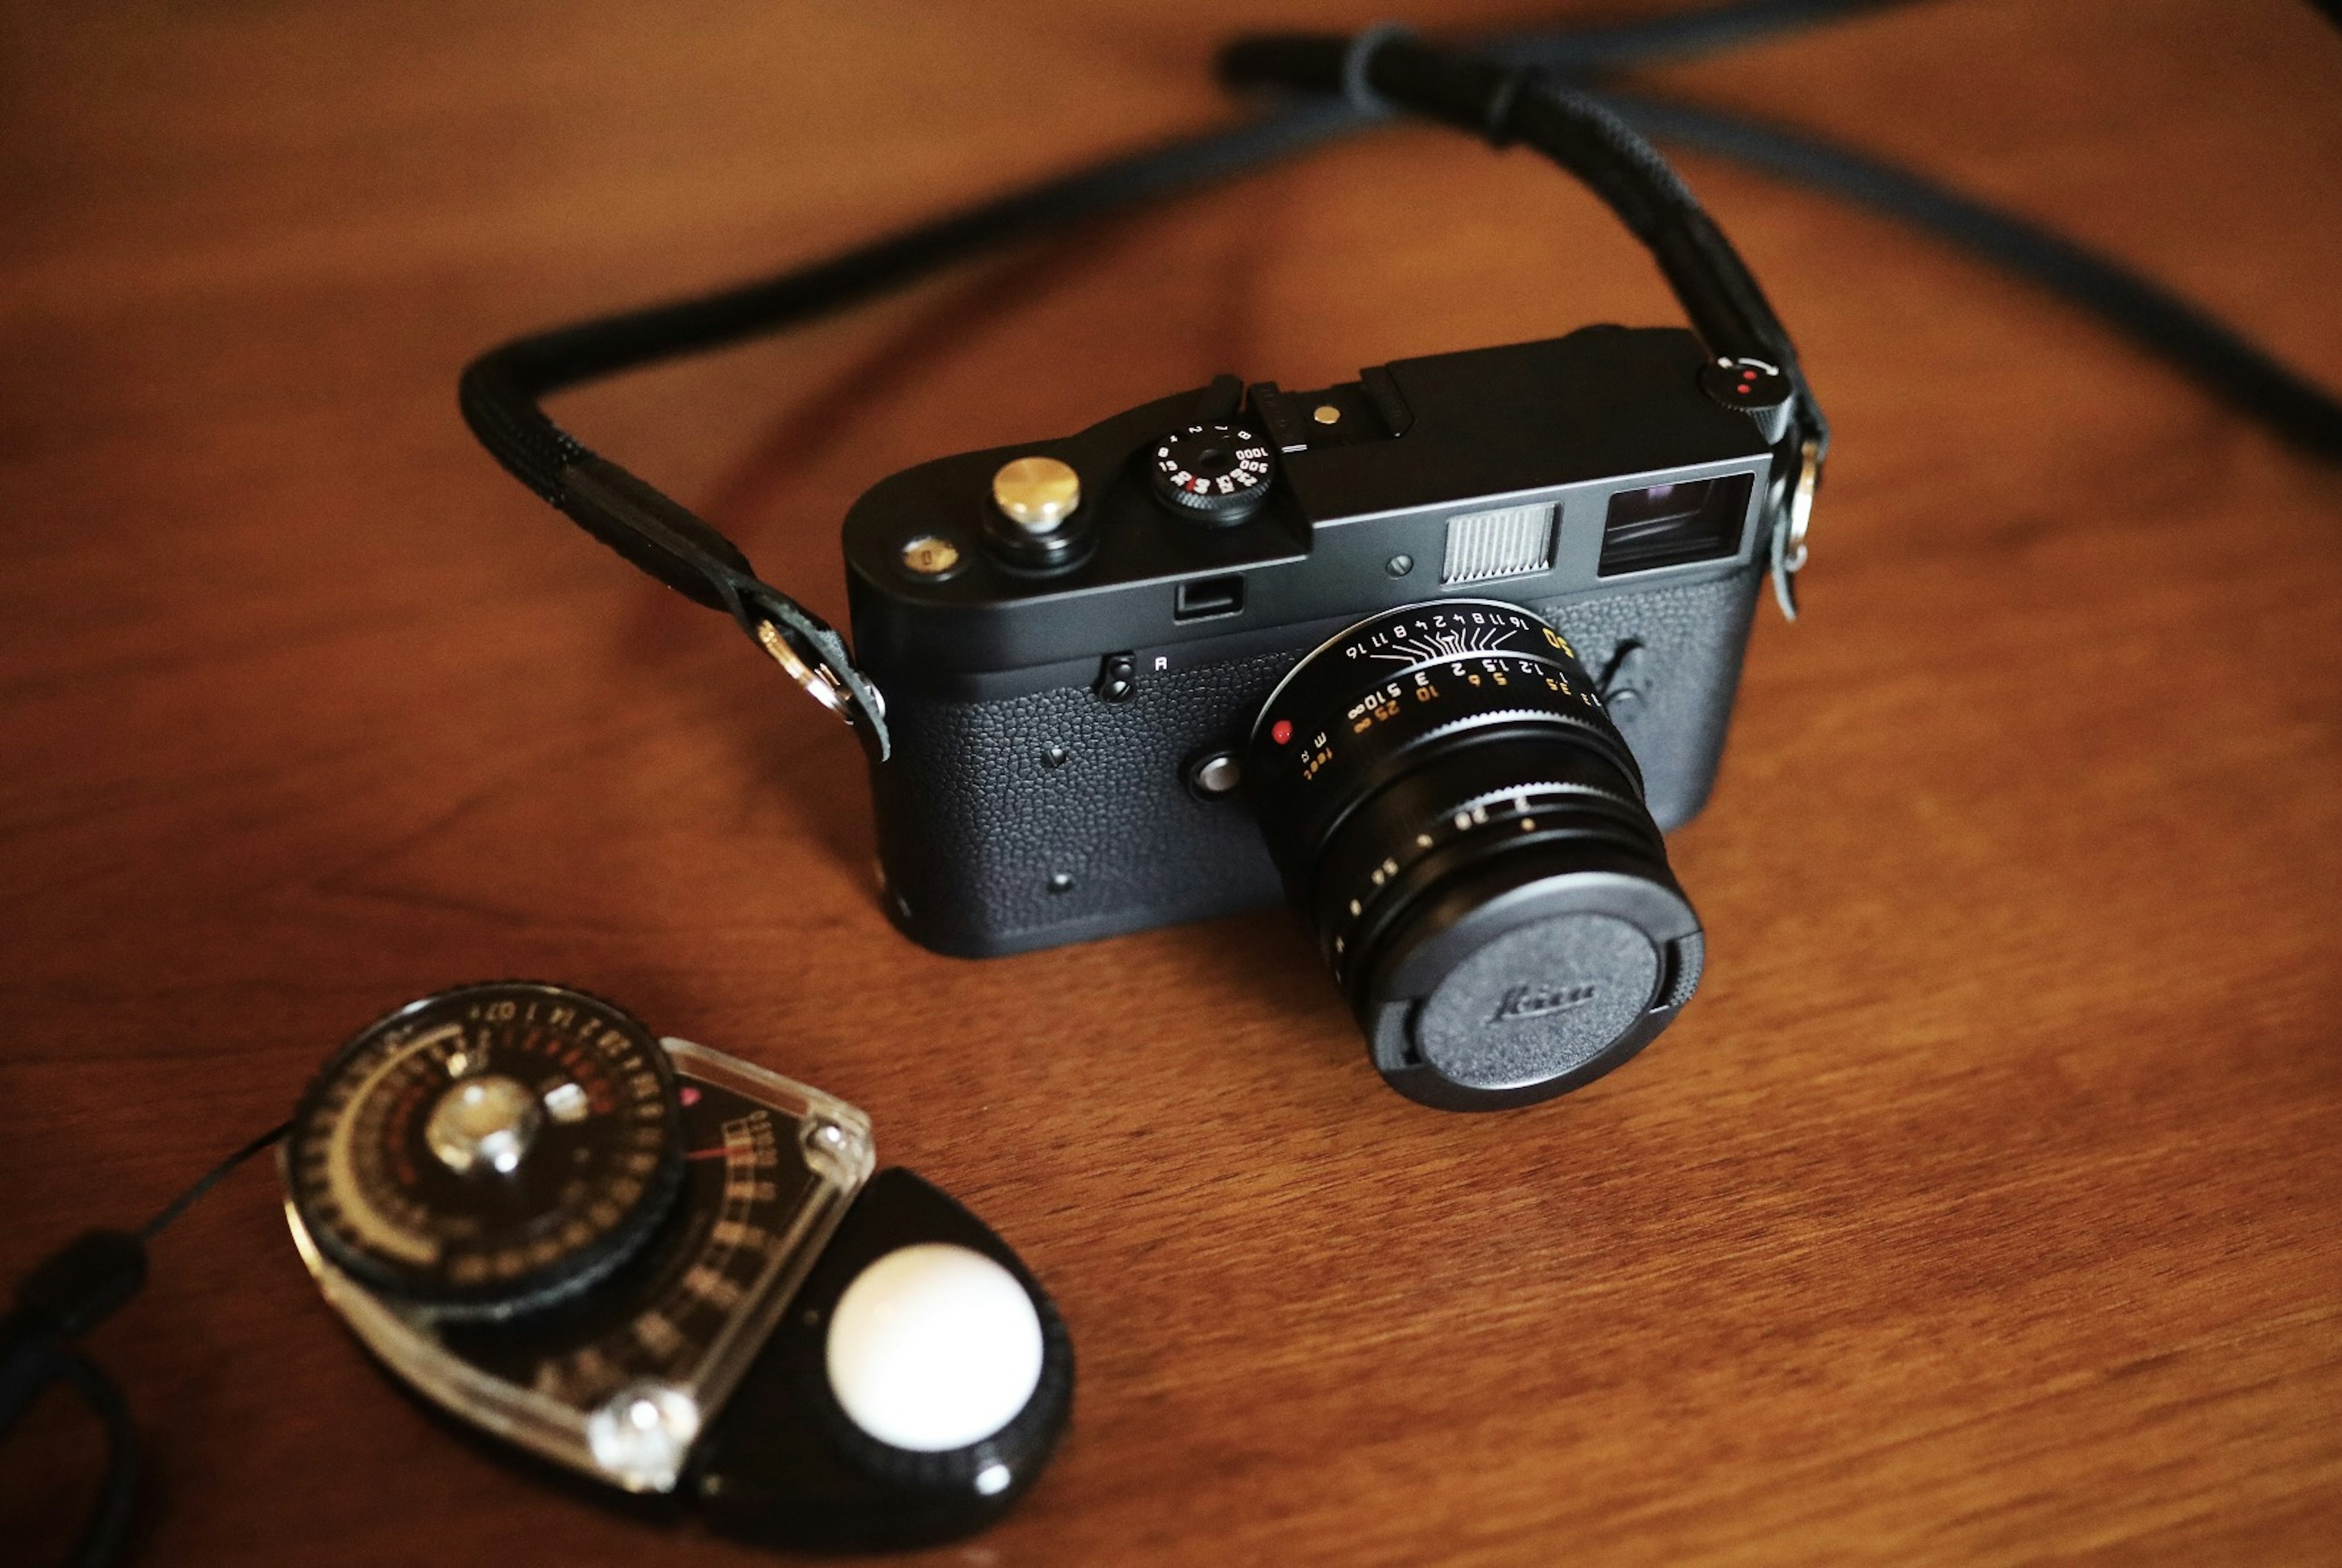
{"x": 1464, "y": 830}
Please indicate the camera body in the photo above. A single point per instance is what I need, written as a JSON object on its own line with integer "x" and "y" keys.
{"x": 1070, "y": 716}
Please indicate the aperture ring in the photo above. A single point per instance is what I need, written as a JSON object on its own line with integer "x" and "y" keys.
{"x": 1349, "y": 916}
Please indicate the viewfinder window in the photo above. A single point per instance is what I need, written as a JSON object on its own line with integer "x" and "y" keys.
{"x": 1673, "y": 525}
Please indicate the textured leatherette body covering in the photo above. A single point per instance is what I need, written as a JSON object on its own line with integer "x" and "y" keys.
{"x": 990, "y": 847}
{"x": 1673, "y": 698}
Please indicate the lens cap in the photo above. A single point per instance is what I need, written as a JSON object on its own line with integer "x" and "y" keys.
{"x": 1526, "y": 980}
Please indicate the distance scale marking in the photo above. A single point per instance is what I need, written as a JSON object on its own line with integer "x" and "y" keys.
{"x": 1424, "y": 694}
{"x": 1473, "y": 638}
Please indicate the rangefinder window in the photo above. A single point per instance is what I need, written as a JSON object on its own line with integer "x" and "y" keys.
{"x": 1673, "y": 525}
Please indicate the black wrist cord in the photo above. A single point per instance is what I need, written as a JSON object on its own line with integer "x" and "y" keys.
{"x": 77, "y": 1288}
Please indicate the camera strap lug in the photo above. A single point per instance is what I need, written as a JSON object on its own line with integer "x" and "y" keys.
{"x": 815, "y": 657}
{"x": 682, "y": 550}
{"x": 1789, "y": 531}
{"x": 819, "y": 682}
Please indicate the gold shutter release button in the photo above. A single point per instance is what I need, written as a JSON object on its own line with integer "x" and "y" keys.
{"x": 1037, "y": 493}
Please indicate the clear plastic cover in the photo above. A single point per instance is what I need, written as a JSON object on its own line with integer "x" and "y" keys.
{"x": 618, "y": 1384}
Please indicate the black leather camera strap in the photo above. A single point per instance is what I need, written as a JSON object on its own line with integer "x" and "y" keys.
{"x": 502, "y": 393}
{"x": 1545, "y": 89}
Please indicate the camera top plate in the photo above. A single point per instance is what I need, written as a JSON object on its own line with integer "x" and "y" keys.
{"x": 1368, "y": 474}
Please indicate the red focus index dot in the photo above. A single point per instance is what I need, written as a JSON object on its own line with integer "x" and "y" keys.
{"x": 1281, "y": 732}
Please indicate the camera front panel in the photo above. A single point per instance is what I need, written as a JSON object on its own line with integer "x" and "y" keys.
{"x": 1021, "y": 822}
{"x": 1010, "y": 823}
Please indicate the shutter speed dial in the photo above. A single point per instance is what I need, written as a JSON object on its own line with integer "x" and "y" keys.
{"x": 1213, "y": 474}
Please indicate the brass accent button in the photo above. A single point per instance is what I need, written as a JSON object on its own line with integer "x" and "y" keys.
{"x": 1037, "y": 493}
{"x": 929, "y": 557}
{"x": 1327, "y": 413}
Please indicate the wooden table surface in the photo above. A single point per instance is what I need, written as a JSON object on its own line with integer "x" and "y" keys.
{"x": 1986, "y": 1207}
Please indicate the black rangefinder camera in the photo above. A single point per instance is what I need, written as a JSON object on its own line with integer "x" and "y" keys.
{"x": 1440, "y": 651}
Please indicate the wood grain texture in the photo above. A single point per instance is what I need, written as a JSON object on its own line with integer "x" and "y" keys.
{"x": 1986, "y": 1206}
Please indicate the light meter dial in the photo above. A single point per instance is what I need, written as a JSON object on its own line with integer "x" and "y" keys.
{"x": 488, "y": 1151}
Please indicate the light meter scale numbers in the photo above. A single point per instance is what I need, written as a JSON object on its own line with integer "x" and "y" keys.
{"x": 488, "y": 1148}
{"x": 738, "y": 1209}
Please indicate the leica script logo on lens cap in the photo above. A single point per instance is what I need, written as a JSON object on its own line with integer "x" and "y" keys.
{"x": 1536, "y": 1001}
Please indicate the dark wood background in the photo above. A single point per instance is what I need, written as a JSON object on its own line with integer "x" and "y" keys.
{"x": 1986, "y": 1206}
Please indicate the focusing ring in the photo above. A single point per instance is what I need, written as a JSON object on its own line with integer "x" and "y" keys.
{"x": 1428, "y": 820}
